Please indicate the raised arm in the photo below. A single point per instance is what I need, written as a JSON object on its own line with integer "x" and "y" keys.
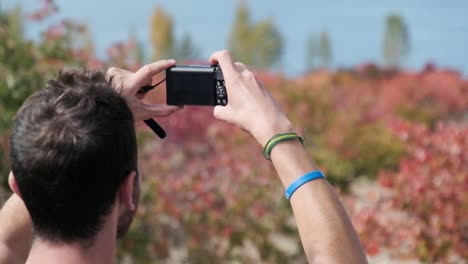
{"x": 326, "y": 232}
{"x": 15, "y": 222}
{"x": 15, "y": 231}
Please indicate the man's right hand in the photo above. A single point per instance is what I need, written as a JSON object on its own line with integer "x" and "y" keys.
{"x": 251, "y": 105}
{"x": 128, "y": 83}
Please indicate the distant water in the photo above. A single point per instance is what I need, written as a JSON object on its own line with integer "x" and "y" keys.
{"x": 438, "y": 29}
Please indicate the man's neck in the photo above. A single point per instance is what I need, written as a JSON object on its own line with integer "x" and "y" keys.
{"x": 102, "y": 251}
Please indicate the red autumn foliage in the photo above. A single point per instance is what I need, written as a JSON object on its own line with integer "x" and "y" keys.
{"x": 209, "y": 193}
{"x": 423, "y": 210}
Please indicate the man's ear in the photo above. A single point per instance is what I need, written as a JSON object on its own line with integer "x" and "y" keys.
{"x": 126, "y": 192}
{"x": 13, "y": 184}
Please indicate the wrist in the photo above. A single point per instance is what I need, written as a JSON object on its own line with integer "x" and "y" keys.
{"x": 279, "y": 138}
{"x": 291, "y": 160}
{"x": 267, "y": 132}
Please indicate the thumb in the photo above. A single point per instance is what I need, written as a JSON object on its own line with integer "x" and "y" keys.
{"x": 222, "y": 113}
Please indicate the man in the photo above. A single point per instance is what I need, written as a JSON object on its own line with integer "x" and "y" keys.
{"x": 80, "y": 184}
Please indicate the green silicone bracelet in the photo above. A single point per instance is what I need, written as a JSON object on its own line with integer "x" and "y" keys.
{"x": 277, "y": 139}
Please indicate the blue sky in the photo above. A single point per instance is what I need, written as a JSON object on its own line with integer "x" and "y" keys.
{"x": 438, "y": 29}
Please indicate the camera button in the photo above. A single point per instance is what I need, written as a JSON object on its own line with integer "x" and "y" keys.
{"x": 221, "y": 92}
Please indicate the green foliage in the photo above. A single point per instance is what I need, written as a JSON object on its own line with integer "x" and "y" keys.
{"x": 17, "y": 79}
{"x": 186, "y": 49}
{"x": 364, "y": 152}
{"x": 162, "y": 35}
{"x": 209, "y": 196}
{"x": 25, "y": 65}
{"x": 426, "y": 199}
{"x": 137, "y": 52}
{"x": 268, "y": 44}
{"x": 137, "y": 244}
{"x": 240, "y": 43}
{"x": 338, "y": 139}
{"x": 396, "y": 40}
{"x": 376, "y": 148}
{"x": 259, "y": 45}
{"x": 318, "y": 50}
{"x": 4, "y": 171}
{"x": 164, "y": 44}
{"x": 325, "y": 48}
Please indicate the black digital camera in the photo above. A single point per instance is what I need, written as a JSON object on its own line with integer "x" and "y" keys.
{"x": 190, "y": 85}
{"x": 195, "y": 85}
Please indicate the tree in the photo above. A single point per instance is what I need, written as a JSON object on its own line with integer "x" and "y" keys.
{"x": 26, "y": 65}
{"x": 240, "y": 42}
{"x": 318, "y": 50}
{"x": 259, "y": 45}
{"x": 137, "y": 54}
{"x": 312, "y": 50}
{"x": 185, "y": 49}
{"x": 396, "y": 40}
{"x": 17, "y": 80}
{"x": 162, "y": 36}
{"x": 163, "y": 42}
{"x": 88, "y": 44}
{"x": 325, "y": 49}
{"x": 267, "y": 44}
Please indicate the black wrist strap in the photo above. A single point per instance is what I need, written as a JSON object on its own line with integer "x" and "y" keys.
{"x": 157, "y": 129}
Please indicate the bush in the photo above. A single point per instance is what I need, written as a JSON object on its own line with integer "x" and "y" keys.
{"x": 209, "y": 203}
{"x": 25, "y": 66}
{"x": 208, "y": 194}
{"x": 424, "y": 215}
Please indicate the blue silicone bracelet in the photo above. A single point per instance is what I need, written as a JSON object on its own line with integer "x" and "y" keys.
{"x": 313, "y": 175}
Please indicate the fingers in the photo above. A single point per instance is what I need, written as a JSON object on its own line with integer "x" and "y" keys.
{"x": 224, "y": 59}
{"x": 141, "y": 77}
{"x": 111, "y": 72}
{"x": 157, "y": 110}
{"x": 240, "y": 67}
{"x": 118, "y": 79}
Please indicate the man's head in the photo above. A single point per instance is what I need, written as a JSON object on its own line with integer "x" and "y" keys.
{"x": 73, "y": 155}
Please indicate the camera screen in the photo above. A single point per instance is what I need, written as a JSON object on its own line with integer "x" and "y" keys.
{"x": 190, "y": 86}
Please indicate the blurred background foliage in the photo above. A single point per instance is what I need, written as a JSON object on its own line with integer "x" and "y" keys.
{"x": 392, "y": 142}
